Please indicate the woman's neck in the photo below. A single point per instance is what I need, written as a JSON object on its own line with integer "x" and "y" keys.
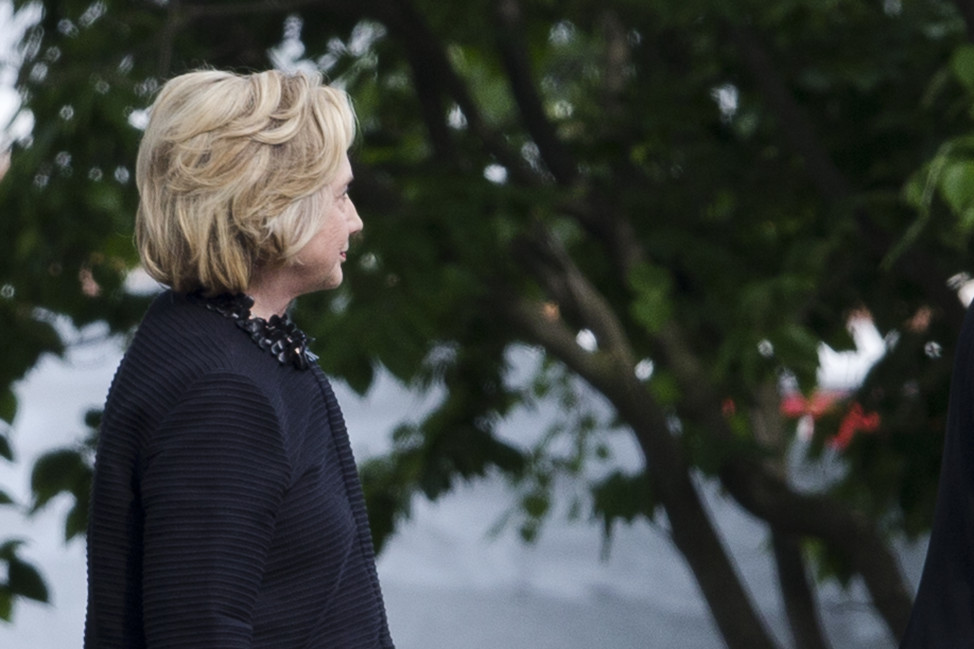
{"x": 270, "y": 296}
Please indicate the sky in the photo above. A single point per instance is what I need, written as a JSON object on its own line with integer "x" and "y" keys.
{"x": 11, "y": 29}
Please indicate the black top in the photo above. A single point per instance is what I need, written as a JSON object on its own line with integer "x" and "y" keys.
{"x": 943, "y": 612}
{"x": 226, "y": 507}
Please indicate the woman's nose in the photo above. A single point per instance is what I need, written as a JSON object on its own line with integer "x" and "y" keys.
{"x": 354, "y": 220}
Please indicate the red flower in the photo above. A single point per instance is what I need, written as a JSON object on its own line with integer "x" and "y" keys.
{"x": 856, "y": 420}
{"x": 796, "y": 405}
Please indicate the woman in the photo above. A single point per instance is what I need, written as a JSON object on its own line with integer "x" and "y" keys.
{"x": 226, "y": 509}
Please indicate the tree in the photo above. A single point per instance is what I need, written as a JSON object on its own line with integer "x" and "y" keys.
{"x": 705, "y": 190}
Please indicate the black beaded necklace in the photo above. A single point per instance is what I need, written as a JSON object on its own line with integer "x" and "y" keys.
{"x": 278, "y": 335}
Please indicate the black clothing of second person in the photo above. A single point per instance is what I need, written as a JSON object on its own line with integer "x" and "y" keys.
{"x": 943, "y": 611}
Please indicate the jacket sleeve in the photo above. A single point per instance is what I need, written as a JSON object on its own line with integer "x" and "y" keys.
{"x": 214, "y": 475}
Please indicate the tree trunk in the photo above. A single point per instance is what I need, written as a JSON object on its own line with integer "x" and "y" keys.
{"x": 846, "y": 531}
{"x": 695, "y": 537}
{"x": 692, "y": 530}
{"x": 799, "y": 597}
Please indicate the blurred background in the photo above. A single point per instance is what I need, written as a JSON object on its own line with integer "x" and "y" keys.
{"x": 648, "y": 338}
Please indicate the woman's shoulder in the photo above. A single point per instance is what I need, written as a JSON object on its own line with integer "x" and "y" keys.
{"x": 178, "y": 342}
{"x": 181, "y": 340}
{"x": 180, "y": 331}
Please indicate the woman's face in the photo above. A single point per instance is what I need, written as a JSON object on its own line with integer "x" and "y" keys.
{"x": 320, "y": 261}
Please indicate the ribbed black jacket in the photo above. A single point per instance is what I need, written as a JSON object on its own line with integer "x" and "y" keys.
{"x": 943, "y": 612}
{"x": 226, "y": 508}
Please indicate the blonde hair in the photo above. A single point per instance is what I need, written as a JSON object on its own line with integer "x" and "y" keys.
{"x": 230, "y": 172}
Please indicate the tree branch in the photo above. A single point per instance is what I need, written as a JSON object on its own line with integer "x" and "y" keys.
{"x": 792, "y": 120}
{"x": 428, "y": 58}
{"x": 966, "y": 10}
{"x": 617, "y": 56}
{"x": 800, "y": 606}
{"x": 595, "y": 211}
{"x": 612, "y": 229}
{"x": 766, "y": 494}
{"x": 172, "y": 24}
{"x": 231, "y": 9}
{"x": 430, "y": 100}
{"x": 691, "y": 528}
{"x": 830, "y": 182}
{"x": 611, "y": 371}
{"x": 430, "y": 64}
{"x": 514, "y": 58}
{"x": 757, "y": 487}
{"x": 547, "y": 260}
{"x": 772, "y": 499}
{"x": 798, "y": 592}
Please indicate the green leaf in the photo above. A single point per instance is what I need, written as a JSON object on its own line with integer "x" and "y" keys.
{"x": 529, "y": 531}
{"x": 76, "y": 522}
{"x": 6, "y": 603}
{"x": 622, "y": 496}
{"x": 957, "y": 185}
{"x": 93, "y": 418}
{"x": 25, "y": 581}
{"x": 56, "y": 472}
{"x": 651, "y": 306}
{"x": 5, "y": 450}
{"x": 664, "y": 387}
{"x": 915, "y": 189}
{"x": 9, "y": 549}
{"x": 962, "y": 65}
{"x": 797, "y": 348}
{"x": 536, "y": 504}
{"x": 8, "y": 407}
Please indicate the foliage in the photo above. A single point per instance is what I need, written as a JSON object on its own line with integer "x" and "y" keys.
{"x": 22, "y": 580}
{"x": 673, "y": 203}
{"x": 67, "y": 471}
